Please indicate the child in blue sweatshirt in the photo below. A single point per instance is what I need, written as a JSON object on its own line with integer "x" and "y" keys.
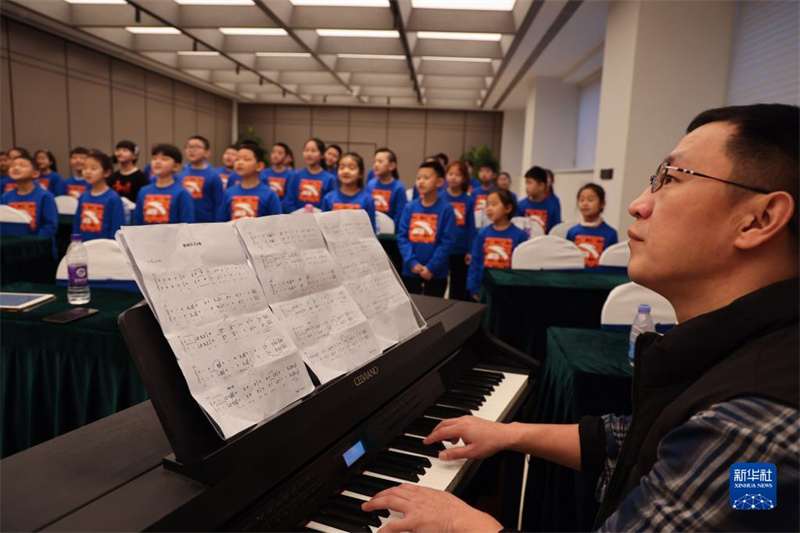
{"x": 592, "y": 235}
{"x": 495, "y": 243}
{"x": 250, "y": 198}
{"x": 312, "y": 183}
{"x": 487, "y": 182}
{"x": 226, "y": 172}
{"x": 351, "y": 193}
{"x": 278, "y": 176}
{"x": 333, "y": 153}
{"x": 504, "y": 182}
{"x": 75, "y": 185}
{"x": 49, "y": 178}
{"x": 202, "y": 181}
{"x": 100, "y": 213}
{"x": 165, "y": 201}
{"x": 426, "y": 235}
{"x": 5, "y": 163}
{"x": 456, "y": 195}
{"x": 386, "y": 189}
{"x": 30, "y": 198}
{"x": 538, "y": 207}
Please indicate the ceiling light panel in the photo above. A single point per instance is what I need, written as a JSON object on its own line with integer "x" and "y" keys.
{"x": 254, "y": 31}
{"x": 462, "y": 59}
{"x": 459, "y": 36}
{"x": 373, "y": 34}
{"x": 214, "y": 2}
{"x": 371, "y": 56}
{"x": 341, "y": 3}
{"x": 476, "y": 5}
{"x": 209, "y": 53}
{"x": 153, "y": 30}
{"x": 283, "y": 54}
{"x": 98, "y": 2}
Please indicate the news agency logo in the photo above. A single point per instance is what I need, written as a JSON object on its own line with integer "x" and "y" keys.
{"x": 753, "y": 486}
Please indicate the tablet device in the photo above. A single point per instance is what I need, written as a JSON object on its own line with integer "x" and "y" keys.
{"x": 23, "y": 301}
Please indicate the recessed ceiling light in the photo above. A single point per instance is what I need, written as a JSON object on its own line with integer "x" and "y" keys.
{"x": 459, "y": 36}
{"x": 463, "y": 59}
{"x": 97, "y": 2}
{"x": 253, "y": 31}
{"x": 379, "y": 34}
{"x": 479, "y": 5}
{"x": 214, "y": 2}
{"x": 283, "y": 54}
{"x": 153, "y": 30}
{"x": 369, "y": 56}
{"x": 198, "y": 53}
{"x": 341, "y": 3}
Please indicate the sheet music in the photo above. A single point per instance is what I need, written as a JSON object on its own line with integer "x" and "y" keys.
{"x": 240, "y": 363}
{"x": 303, "y": 284}
{"x": 369, "y": 276}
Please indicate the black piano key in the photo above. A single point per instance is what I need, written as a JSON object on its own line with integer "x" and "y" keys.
{"x": 477, "y": 383}
{"x": 424, "y": 462}
{"x": 426, "y": 422}
{"x": 367, "y": 519}
{"x": 411, "y": 466}
{"x": 415, "y": 445}
{"x": 398, "y": 472}
{"x": 355, "y": 503}
{"x": 436, "y": 411}
{"x": 370, "y": 485}
{"x": 473, "y": 388}
{"x": 461, "y": 393}
{"x": 496, "y": 376}
{"x": 340, "y": 523}
{"x": 461, "y": 403}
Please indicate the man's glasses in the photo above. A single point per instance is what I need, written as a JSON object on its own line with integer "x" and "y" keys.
{"x": 658, "y": 179}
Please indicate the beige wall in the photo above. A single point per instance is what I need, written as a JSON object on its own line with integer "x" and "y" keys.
{"x": 412, "y": 134}
{"x": 56, "y": 95}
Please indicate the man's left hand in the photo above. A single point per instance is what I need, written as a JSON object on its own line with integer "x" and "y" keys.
{"x": 425, "y": 509}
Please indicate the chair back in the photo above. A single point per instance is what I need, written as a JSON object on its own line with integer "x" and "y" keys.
{"x": 547, "y": 253}
{"x": 303, "y": 210}
{"x": 622, "y": 305}
{"x": 106, "y": 262}
{"x": 384, "y": 223}
{"x": 66, "y": 205}
{"x": 525, "y": 224}
{"x": 9, "y": 214}
{"x": 617, "y": 255}
{"x": 561, "y": 229}
{"x": 129, "y": 207}
{"x": 409, "y": 194}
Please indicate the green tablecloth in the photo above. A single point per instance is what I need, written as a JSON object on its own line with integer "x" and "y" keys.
{"x": 586, "y": 372}
{"x": 389, "y": 243}
{"x": 56, "y": 378}
{"x": 63, "y": 234}
{"x": 524, "y": 303}
{"x": 27, "y": 258}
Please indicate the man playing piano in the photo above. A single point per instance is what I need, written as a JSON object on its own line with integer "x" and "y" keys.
{"x": 716, "y": 233}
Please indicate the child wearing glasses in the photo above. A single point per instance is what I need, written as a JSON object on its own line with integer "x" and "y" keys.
{"x": 202, "y": 181}
{"x": 592, "y": 235}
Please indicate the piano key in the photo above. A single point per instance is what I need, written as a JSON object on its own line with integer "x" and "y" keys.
{"x": 402, "y": 461}
{"x": 404, "y": 474}
{"x": 485, "y": 379}
{"x": 370, "y": 485}
{"x": 355, "y": 504}
{"x": 498, "y": 376}
{"x": 458, "y": 403}
{"x": 477, "y": 398}
{"x": 476, "y": 383}
{"x": 356, "y": 515}
{"x": 340, "y": 523}
{"x": 436, "y": 411}
{"x": 414, "y": 444}
{"x": 473, "y": 388}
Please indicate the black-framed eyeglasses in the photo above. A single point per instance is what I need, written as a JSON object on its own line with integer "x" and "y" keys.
{"x": 658, "y": 179}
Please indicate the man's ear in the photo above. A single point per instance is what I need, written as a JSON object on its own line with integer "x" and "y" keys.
{"x": 763, "y": 218}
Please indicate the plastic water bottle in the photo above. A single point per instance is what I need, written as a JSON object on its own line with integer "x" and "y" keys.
{"x": 308, "y": 208}
{"x": 642, "y": 323}
{"x": 78, "y": 292}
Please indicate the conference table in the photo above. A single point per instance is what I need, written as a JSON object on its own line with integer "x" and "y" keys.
{"x": 585, "y": 372}
{"x": 26, "y": 258}
{"x": 57, "y": 377}
{"x": 522, "y": 304}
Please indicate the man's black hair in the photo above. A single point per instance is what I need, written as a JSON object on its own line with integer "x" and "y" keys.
{"x": 169, "y": 150}
{"x": 436, "y": 166}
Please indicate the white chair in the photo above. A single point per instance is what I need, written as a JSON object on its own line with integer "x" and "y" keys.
{"x": 303, "y": 210}
{"x": 384, "y": 223}
{"x": 14, "y": 216}
{"x": 524, "y": 223}
{"x": 106, "y": 262}
{"x": 617, "y": 255}
{"x": 129, "y": 207}
{"x": 547, "y": 253}
{"x": 623, "y": 302}
{"x": 410, "y": 194}
{"x": 561, "y": 229}
{"x": 66, "y": 205}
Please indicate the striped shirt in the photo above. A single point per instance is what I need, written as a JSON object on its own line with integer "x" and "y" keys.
{"x": 687, "y": 488}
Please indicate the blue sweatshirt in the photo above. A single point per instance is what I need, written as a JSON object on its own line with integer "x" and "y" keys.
{"x": 336, "y": 200}
{"x": 40, "y": 205}
{"x": 426, "y": 236}
{"x": 53, "y": 182}
{"x": 205, "y": 187}
{"x": 229, "y": 177}
{"x": 592, "y": 241}
{"x": 280, "y": 182}
{"x": 479, "y": 196}
{"x": 464, "y": 230}
{"x": 167, "y": 205}
{"x": 6, "y": 184}
{"x": 258, "y": 201}
{"x": 474, "y": 183}
{"x": 307, "y": 188}
{"x": 98, "y": 217}
{"x": 390, "y": 199}
{"x": 75, "y": 186}
{"x": 492, "y": 249}
{"x": 546, "y": 213}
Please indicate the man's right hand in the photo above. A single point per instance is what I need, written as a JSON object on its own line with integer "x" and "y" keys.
{"x": 482, "y": 438}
